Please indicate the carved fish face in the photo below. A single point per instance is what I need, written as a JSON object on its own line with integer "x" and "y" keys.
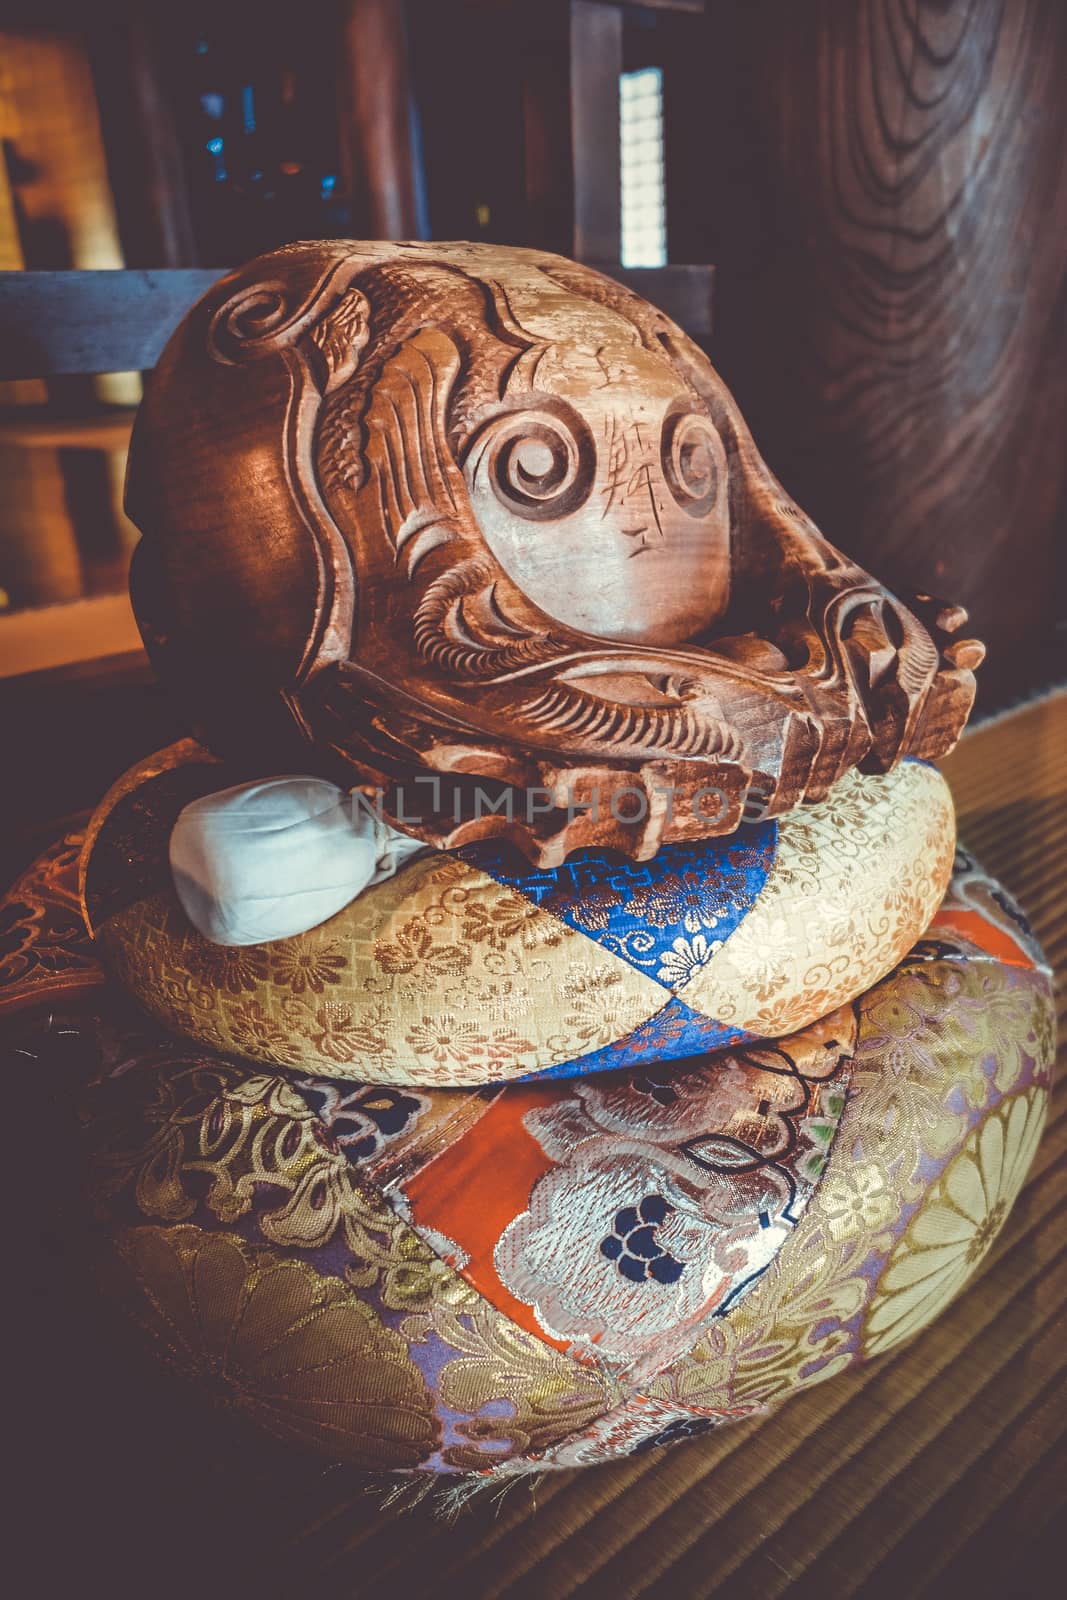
{"x": 481, "y": 512}
{"x": 602, "y": 492}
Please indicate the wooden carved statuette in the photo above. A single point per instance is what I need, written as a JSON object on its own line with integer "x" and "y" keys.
{"x": 483, "y": 516}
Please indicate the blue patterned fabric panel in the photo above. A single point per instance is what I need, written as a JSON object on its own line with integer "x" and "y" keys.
{"x": 671, "y": 1035}
{"x": 638, "y": 909}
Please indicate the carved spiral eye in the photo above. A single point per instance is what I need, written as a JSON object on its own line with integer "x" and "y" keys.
{"x": 540, "y": 464}
{"x": 693, "y": 461}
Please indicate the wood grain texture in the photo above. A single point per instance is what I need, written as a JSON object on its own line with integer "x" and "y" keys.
{"x": 890, "y": 198}
{"x": 936, "y": 1471}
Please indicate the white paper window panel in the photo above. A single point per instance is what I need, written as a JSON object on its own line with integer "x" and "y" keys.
{"x": 644, "y": 208}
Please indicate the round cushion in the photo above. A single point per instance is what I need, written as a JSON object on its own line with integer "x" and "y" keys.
{"x": 471, "y": 967}
{"x": 557, "y": 1273}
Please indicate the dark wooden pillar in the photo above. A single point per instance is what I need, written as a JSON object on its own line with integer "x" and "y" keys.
{"x": 571, "y": 60}
{"x": 596, "y": 62}
{"x": 145, "y": 163}
{"x": 378, "y": 149}
{"x": 889, "y": 189}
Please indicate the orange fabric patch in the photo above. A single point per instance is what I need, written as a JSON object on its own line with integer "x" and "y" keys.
{"x": 978, "y": 930}
{"x": 479, "y": 1184}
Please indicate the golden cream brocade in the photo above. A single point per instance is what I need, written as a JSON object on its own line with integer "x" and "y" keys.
{"x": 445, "y": 976}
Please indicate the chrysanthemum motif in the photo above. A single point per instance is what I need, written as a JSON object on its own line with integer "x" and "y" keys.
{"x": 302, "y": 965}
{"x": 686, "y": 900}
{"x": 252, "y": 1031}
{"x": 600, "y": 1006}
{"x": 447, "y": 1038}
{"x": 235, "y": 969}
{"x": 684, "y": 958}
{"x": 855, "y": 1200}
{"x": 507, "y": 919}
{"x": 961, "y": 1216}
{"x": 298, "y": 1352}
{"x": 592, "y": 911}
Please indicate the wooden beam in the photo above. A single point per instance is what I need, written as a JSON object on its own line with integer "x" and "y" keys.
{"x": 145, "y": 162}
{"x": 53, "y": 323}
{"x": 685, "y": 293}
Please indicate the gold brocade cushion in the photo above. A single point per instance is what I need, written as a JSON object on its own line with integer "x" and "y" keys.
{"x": 556, "y": 1273}
{"x": 472, "y": 967}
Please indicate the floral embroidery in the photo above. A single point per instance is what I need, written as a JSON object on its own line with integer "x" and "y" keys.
{"x": 257, "y": 1033}
{"x": 636, "y": 909}
{"x": 346, "y": 1037}
{"x": 452, "y": 1038}
{"x": 415, "y": 947}
{"x": 684, "y": 958}
{"x": 690, "y": 899}
{"x": 855, "y": 1280}
{"x": 598, "y": 1006}
{"x": 300, "y": 965}
{"x": 448, "y": 1038}
{"x": 376, "y": 1347}
{"x": 233, "y": 969}
{"x": 658, "y": 1211}
{"x": 499, "y": 921}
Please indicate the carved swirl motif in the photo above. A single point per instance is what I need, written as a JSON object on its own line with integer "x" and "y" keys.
{"x": 540, "y": 462}
{"x": 693, "y": 462}
{"x": 264, "y": 316}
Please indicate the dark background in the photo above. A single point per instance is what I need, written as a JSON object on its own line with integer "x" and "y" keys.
{"x": 880, "y": 185}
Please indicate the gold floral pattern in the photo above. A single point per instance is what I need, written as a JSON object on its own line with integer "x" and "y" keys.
{"x": 259, "y": 1248}
{"x": 449, "y": 1038}
{"x": 307, "y": 965}
{"x": 392, "y": 997}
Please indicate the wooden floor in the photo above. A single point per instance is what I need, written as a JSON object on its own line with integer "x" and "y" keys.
{"x": 937, "y": 1470}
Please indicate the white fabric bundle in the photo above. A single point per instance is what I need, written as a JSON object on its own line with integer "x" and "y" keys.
{"x": 271, "y": 859}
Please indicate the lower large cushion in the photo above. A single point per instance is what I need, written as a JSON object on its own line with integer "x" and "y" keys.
{"x": 555, "y": 1273}
{"x": 473, "y": 968}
